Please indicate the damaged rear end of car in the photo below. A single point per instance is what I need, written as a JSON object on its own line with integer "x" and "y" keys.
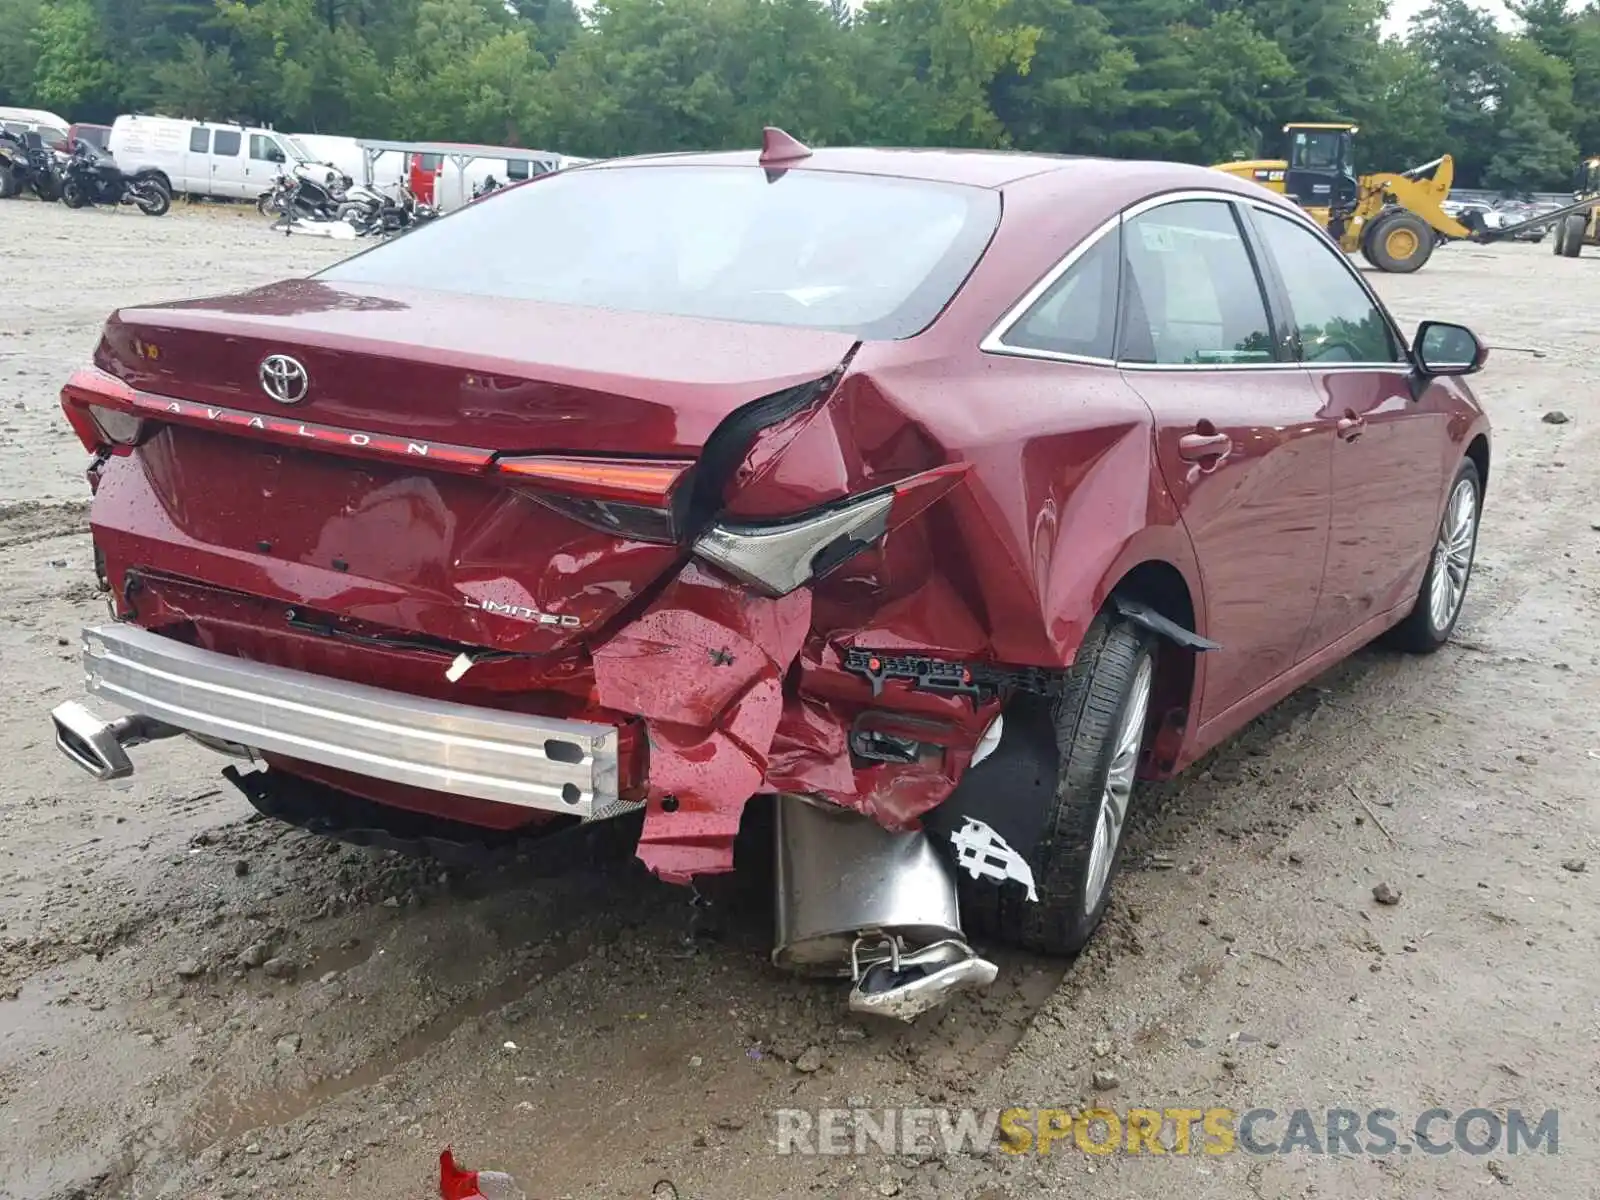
{"x": 514, "y": 554}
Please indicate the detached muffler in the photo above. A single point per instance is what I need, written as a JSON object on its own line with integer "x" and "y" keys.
{"x": 855, "y": 899}
{"x": 101, "y": 747}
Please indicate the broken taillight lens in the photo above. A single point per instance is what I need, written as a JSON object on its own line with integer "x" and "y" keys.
{"x": 99, "y": 407}
{"x": 778, "y": 557}
{"x": 643, "y": 499}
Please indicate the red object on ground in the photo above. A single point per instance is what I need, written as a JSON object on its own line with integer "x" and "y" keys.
{"x": 454, "y": 1183}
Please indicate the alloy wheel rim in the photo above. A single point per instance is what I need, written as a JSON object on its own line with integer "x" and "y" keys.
{"x": 1118, "y": 789}
{"x": 1452, "y": 555}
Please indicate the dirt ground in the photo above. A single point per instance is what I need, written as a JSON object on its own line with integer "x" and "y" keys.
{"x": 584, "y": 1031}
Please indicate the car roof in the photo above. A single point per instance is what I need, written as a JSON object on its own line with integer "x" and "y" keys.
{"x": 976, "y": 168}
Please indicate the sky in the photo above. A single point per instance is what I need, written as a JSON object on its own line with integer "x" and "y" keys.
{"x": 1401, "y": 12}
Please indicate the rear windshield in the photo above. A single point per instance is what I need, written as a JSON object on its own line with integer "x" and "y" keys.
{"x": 873, "y": 256}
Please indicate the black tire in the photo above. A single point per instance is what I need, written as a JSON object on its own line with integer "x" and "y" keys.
{"x": 1560, "y": 240}
{"x": 1082, "y": 723}
{"x": 153, "y": 199}
{"x": 1399, "y": 242}
{"x": 1423, "y": 632}
{"x": 1570, "y": 235}
{"x": 9, "y": 184}
{"x": 73, "y": 196}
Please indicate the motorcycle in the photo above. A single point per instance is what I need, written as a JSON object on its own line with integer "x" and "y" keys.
{"x": 305, "y": 192}
{"x": 26, "y": 162}
{"x": 92, "y": 177}
{"x": 491, "y": 184}
{"x": 372, "y": 212}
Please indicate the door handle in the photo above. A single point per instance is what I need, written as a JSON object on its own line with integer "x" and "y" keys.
{"x": 1202, "y": 447}
{"x": 1350, "y": 427}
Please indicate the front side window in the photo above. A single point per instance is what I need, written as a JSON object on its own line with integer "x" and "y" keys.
{"x": 1077, "y": 315}
{"x": 226, "y": 142}
{"x": 874, "y": 256}
{"x": 1335, "y": 320}
{"x": 1190, "y": 292}
{"x": 261, "y": 147}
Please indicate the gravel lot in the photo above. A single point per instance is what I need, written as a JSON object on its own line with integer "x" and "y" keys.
{"x": 577, "y": 1031}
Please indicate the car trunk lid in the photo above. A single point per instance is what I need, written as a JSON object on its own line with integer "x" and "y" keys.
{"x": 379, "y": 496}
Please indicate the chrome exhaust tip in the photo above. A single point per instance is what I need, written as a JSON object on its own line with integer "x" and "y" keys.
{"x": 857, "y": 900}
{"x": 101, "y": 747}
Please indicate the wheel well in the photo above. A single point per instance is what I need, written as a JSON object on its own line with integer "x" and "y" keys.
{"x": 1161, "y": 586}
{"x": 159, "y": 176}
{"x": 1478, "y": 452}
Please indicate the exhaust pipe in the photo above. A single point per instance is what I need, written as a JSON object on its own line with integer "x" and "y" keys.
{"x": 101, "y": 747}
{"x": 857, "y": 900}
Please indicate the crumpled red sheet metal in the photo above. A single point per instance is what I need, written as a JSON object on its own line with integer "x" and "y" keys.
{"x": 704, "y": 668}
{"x": 736, "y": 703}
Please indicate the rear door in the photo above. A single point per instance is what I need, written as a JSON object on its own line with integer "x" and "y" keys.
{"x": 228, "y": 176}
{"x": 1387, "y": 468}
{"x": 197, "y": 162}
{"x": 1238, "y": 434}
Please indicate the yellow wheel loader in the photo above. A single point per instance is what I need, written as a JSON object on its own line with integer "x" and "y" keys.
{"x": 1393, "y": 219}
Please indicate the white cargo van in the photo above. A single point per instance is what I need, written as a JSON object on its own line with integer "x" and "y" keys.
{"x": 205, "y": 158}
{"x": 346, "y": 154}
{"x": 50, "y": 128}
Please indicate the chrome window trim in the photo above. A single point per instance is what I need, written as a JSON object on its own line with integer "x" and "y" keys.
{"x": 994, "y": 342}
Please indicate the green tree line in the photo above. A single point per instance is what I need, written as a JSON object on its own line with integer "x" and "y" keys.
{"x": 1196, "y": 80}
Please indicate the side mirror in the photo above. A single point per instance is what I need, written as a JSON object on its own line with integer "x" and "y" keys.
{"x": 1445, "y": 349}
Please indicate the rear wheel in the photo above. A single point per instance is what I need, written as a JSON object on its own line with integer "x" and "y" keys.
{"x": 1444, "y": 587}
{"x": 1098, "y": 726}
{"x": 1570, "y": 234}
{"x": 73, "y": 195}
{"x": 1398, "y": 242}
{"x": 9, "y": 184}
{"x": 153, "y": 199}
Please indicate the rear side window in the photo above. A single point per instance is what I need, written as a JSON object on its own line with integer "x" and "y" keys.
{"x": 199, "y": 141}
{"x": 874, "y": 256}
{"x": 1335, "y": 319}
{"x": 1191, "y": 295}
{"x": 1077, "y": 315}
{"x": 225, "y": 142}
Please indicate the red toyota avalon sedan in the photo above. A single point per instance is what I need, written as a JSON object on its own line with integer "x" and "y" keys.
{"x": 938, "y": 494}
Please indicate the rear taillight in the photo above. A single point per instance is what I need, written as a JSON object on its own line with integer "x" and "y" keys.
{"x": 100, "y": 409}
{"x": 778, "y": 557}
{"x": 643, "y": 499}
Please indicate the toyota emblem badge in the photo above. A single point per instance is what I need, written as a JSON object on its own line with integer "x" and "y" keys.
{"x": 284, "y": 378}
